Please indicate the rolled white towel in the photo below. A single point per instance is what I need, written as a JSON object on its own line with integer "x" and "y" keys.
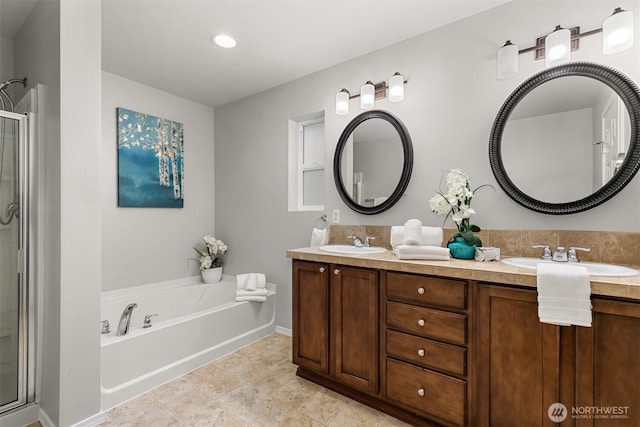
{"x": 258, "y": 292}
{"x": 251, "y": 298}
{"x": 252, "y": 282}
{"x": 413, "y": 232}
{"x": 431, "y": 236}
{"x": 433, "y": 253}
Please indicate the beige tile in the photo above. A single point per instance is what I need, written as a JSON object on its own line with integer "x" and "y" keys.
{"x": 353, "y": 416}
{"x": 188, "y": 402}
{"x": 171, "y": 390}
{"x": 218, "y": 385}
{"x": 243, "y": 397}
{"x": 323, "y": 407}
{"x": 143, "y": 411}
{"x": 215, "y": 414}
{"x": 108, "y": 422}
{"x": 296, "y": 391}
{"x": 242, "y": 422}
{"x": 269, "y": 411}
{"x": 299, "y": 419}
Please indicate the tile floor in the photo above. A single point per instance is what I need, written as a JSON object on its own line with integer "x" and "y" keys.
{"x": 254, "y": 386}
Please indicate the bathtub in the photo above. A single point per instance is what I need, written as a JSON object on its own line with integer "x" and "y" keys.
{"x": 196, "y": 323}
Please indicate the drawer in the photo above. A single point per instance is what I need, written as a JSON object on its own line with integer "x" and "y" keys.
{"x": 427, "y": 353}
{"x": 427, "y": 290}
{"x": 427, "y": 392}
{"x": 427, "y": 322}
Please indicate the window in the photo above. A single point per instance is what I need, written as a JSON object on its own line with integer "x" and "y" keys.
{"x": 306, "y": 164}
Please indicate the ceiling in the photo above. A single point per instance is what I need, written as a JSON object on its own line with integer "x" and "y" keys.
{"x": 166, "y": 43}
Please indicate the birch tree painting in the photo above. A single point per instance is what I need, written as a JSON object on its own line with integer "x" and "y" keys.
{"x": 150, "y": 165}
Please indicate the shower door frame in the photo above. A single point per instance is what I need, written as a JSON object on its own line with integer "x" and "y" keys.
{"x": 26, "y": 337}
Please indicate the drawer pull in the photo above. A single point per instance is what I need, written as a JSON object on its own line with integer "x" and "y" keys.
{"x": 421, "y": 322}
{"x": 321, "y": 269}
{"x": 421, "y": 290}
{"x": 421, "y": 392}
{"x": 336, "y": 271}
{"x": 421, "y": 352}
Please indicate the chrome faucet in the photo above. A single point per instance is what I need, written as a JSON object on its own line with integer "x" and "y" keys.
{"x": 125, "y": 320}
{"x": 560, "y": 254}
{"x": 357, "y": 242}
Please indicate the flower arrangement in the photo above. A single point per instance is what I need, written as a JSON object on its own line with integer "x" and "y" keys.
{"x": 210, "y": 255}
{"x": 456, "y": 203}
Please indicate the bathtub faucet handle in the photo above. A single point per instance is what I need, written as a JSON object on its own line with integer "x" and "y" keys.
{"x": 147, "y": 320}
{"x": 105, "y": 327}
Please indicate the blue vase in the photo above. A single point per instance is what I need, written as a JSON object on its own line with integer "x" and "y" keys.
{"x": 460, "y": 249}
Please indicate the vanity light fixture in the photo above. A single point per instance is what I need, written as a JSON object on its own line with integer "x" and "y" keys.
{"x": 557, "y": 47}
{"x": 367, "y": 95}
{"x": 617, "y": 36}
{"x": 370, "y": 92}
{"x": 617, "y": 31}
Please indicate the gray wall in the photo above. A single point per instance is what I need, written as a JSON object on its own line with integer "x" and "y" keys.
{"x": 452, "y": 97}
{"x": 149, "y": 245}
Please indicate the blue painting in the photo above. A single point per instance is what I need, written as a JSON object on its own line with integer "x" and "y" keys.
{"x": 150, "y": 165}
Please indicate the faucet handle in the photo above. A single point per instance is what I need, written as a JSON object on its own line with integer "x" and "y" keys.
{"x": 546, "y": 251}
{"x": 105, "y": 327}
{"x": 367, "y": 240}
{"x": 355, "y": 241}
{"x": 573, "y": 257}
{"x": 147, "y": 320}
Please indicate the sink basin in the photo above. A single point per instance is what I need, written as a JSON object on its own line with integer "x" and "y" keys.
{"x": 348, "y": 249}
{"x": 594, "y": 268}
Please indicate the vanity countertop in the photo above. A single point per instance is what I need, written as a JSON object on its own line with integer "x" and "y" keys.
{"x": 495, "y": 272}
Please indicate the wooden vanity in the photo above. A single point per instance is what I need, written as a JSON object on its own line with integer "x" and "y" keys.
{"x": 460, "y": 343}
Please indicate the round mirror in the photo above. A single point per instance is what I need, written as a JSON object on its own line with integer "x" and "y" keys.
{"x": 373, "y": 162}
{"x": 566, "y": 140}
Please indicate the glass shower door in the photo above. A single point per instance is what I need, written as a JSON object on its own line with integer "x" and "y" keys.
{"x": 13, "y": 282}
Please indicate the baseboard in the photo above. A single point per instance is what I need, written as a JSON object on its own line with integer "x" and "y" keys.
{"x": 284, "y": 331}
{"x": 93, "y": 421}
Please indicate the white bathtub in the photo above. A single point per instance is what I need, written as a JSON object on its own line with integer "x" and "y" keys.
{"x": 196, "y": 323}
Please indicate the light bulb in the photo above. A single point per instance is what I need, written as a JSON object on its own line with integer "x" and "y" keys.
{"x": 507, "y": 62}
{"x": 617, "y": 32}
{"x": 557, "y": 47}
{"x": 396, "y": 88}
{"x": 342, "y": 102}
{"x": 367, "y": 95}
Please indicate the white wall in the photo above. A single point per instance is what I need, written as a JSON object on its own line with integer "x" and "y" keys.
{"x": 452, "y": 98}
{"x": 147, "y": 245}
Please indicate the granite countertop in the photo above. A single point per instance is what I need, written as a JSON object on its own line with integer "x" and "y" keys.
{"x": 493, "y": 271}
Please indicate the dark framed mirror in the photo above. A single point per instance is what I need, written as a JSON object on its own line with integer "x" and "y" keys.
{"x": 567, "y": 139}
{"x": 373, "y": 161}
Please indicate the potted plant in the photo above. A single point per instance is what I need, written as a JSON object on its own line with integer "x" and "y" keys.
{"x": 456, "y": 203}
{"x": 210, "y": 259}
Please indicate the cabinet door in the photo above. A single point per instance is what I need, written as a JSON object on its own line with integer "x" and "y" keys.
{"x": 518, "y": 359}
{"x": 311, "y": 315}
{"x": 608, "y": 366}
{"x": 354, "y": 326}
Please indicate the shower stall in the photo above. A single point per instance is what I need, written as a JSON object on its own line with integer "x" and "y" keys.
{"x": 15, "y": 384}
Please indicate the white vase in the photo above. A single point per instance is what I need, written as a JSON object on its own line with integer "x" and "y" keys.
{"x": 211, "y": 275}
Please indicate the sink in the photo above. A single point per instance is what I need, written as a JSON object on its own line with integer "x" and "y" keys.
{"x": 594, "y": 268}
{"x": 348, "y": 249}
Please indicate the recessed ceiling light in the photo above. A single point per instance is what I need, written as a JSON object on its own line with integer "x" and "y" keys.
{"x": 224, "y": 40}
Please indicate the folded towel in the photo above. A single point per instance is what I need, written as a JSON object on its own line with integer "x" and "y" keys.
{"x": 412, "y": 232}
{"x": 434, "y": 253}
{"x": 258, "y": 292}
{"x": 241, "y": 281}
{"x": 564, "y": 293}
{"x": 261, "y": 280}
{"x": 431, "y": 236}
{"x": 251, "y": 298}
{"x": 251, "y": 281}
{"x": 319, "y": 237}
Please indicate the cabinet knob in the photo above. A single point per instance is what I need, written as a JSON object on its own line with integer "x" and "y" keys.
{"x": 421, "y": 352}
{"x": 421, "y": 290}
{"x": 421, "y": 322}
{"x": 336, "y": 271}
{"x": 321, "y": 269}
{"x": 421, "y": 392}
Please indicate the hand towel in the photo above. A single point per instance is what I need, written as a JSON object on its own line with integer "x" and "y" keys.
{"x": 261, "y": 280}
{"x": 251, "y": 298}
{"x": 241, "y": 281}
{"x": 431, "y": 236}
{"x": 412, "y": 232}
{"x": 319, "y": 237}
{"x": 257, "y": 292}
{"x": 252, "y": 282}
{"x": 564, "y": 293}
{"x": 433, "y": 253}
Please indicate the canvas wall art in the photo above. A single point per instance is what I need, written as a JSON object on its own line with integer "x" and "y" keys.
{"x": 150, "y": 161}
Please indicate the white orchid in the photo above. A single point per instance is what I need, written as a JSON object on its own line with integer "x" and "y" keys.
{"x": 210, "y": 256}
{"x": 456, "y": 203}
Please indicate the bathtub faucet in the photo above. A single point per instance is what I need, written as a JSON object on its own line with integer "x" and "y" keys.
{"x": 125, "y": 320}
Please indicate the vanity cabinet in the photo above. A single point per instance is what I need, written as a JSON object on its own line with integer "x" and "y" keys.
{"x": 335, "y": 323}
{"x": 524, "y": 366}
{"x": 426, "y": 336}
